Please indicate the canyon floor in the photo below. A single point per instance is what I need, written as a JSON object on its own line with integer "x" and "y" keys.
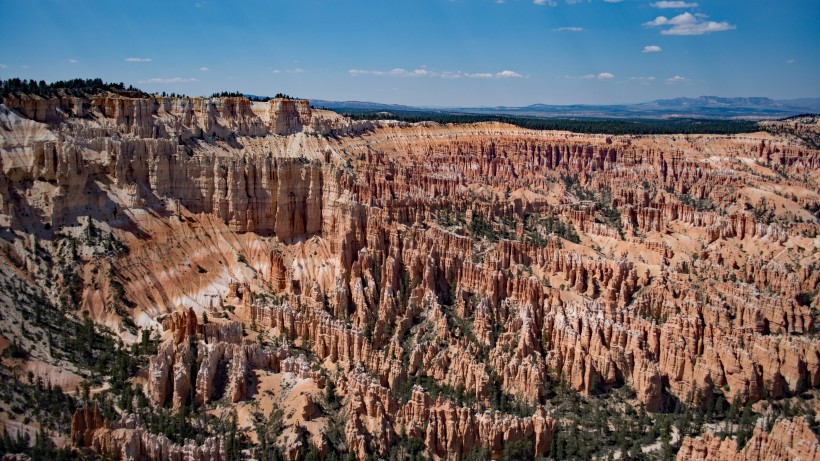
{"x": 221, "y": 279}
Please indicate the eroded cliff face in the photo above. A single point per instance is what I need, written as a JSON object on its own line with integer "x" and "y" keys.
{"x": 439, "y": 276}
{"x": 787, "y": 439}
{"x": 128, "y": 439}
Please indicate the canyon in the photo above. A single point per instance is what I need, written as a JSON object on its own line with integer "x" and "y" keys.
{"x": 290, "y": 282}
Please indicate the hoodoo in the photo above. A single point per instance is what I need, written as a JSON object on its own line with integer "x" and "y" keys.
{"x": 217, "y": 278}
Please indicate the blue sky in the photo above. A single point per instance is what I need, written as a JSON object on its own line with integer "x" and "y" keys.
{"x": 425, "y": 52}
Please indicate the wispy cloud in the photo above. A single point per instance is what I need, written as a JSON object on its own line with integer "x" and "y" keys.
{"x": 568, "y": 29}
{"x": 652, "y": 49}
{"x": 688, "y": 24}
{"x": 788, "y": 61}
{"x": 448, "y": 75}
{"x": 204, "y": 69}
{"x": 477, "y": 75}
{"x": 643, "y": 80}
{"x": 569, "y": 2}
{"x": 297, "y": 70}
{"x": 3, "y": 66}
{"x": 600, "y": 76}
{"x": 138, "y": 59}
{"x": 73, "y": 61}
{"x": 168, "y": 80}
{"x": 674, "y": 5}
{"x": 397, "y": 72}
{"x": 677, "y": 79}
{"x": 423, "y": 72}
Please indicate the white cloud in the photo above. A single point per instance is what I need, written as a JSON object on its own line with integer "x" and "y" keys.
{"x": 788, "y": 61}
{"x": 277, "y": 71}
{"x": 652, "y": 49}
{"x": 600, "y": 76}
{"x": 568, "y": 29}
{"x": 397, "y": 72}
{"x": 168, "y": 80}
{"x": 423, "y": 72}
{"x": 677, "y": 79}
{"x": 659, "y": 21}
{"x": 138, "y": 59}
{"x": 26, "y": 66}
{"x": 674, "y": 5}
{"x": 3, "y": 66}
{"x": 544, "y": 2}
{"x": 508, "y": 74}
{"x": 73, "y": 61}
{"x": 688, "y": 24}
{"x": 613, "y": 1}
{"x": 204, "y": 69}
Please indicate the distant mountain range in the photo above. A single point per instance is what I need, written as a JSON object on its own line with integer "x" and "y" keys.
{"x": 701, "y": 107}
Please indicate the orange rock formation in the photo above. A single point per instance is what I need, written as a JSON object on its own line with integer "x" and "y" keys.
{"x": 396, "y": 254}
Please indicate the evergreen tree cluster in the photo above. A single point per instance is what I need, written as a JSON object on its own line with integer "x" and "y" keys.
{"x": 239, "y": 94}
{"x": 34, "y": 399}
{"x": 577, "y": 125}
{"x": 73, "y": 87}
{"x": 228, "y": 94}
{"x": 551, "y": 225}
{"x": 43, "y": 447}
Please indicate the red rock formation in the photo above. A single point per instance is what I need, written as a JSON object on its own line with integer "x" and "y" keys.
{"x": 446, "y": 429}
{"x": 84, "y": 423}
{"x": 181, "y": 324}
{"x": 788, "y": 439}
{"x": 129, "y": 439}
{"x": 423, "y": 252}
{"x": 218, "y": 347}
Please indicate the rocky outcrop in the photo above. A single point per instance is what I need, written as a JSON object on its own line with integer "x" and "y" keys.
{"x": 84, "y": 423}
{"x": 447, "y": 430}
{"x": 159, "y": 116}
{"x": 181, "y": 324}
{"x": 129, "y": 440}
{"x": 288, "y": 116}
{"x": 788, "y": 439}
{"x": 33, "y": 107}
{"x": 221, "y": 367}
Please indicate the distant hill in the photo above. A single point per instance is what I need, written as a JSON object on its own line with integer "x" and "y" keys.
{"x": 710, "y": 107}
{"x": 361, "y": 105}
